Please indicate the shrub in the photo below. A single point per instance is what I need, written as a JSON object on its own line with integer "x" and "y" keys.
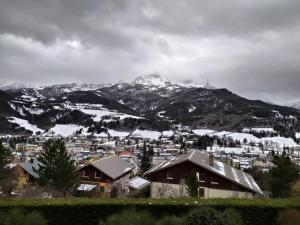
{"x": 205, "y": 216}
{"x": 18, "y": 217}
{"x": 171, "y": 220}
{"x": 289, "y": 217}
{"x": 86, "y": 211}
{"x": 129, "y": 217}
{"x": 232, "y": 217}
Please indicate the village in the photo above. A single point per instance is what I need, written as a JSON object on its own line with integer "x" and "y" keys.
{"x": 109, "y": 164}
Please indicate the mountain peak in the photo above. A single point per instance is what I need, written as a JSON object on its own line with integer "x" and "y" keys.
{"x": 152, "y": 80}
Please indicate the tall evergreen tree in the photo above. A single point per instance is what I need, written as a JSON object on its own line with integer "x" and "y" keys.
{"x": 4, "y": 160}
{"x": 145, "y": 160}
{"x": 282, "y": 176}
{"x": 57, "y": 169}
{"x": 8, "y": 180}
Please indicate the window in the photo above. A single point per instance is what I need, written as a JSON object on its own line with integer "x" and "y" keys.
{"x": 214, "y": 182}
{"x": 84, "y": 173}
{"x": 169, "y": 177}
{"x": 199, "y": 178}
{"x": 102, "y": 189}
{"x": 98, "y": 174}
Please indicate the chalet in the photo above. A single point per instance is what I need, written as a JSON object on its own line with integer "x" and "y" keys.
{"x": 26, "y": 172}
{"x": 218, "y": 180}
{"x": 105, "y": 173}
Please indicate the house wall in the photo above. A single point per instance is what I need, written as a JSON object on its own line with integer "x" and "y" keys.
{"x": 122, "y": 181}
{"x": 89, "y": 174}
{"x": 167, "y": 190}
{"x": 178, "y": 173}
{"x": 23, "y": 178}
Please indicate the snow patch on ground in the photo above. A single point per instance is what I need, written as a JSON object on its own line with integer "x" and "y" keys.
{"x": 279, "y": 142}
{"x": 147, "y": 134}
{"x": 203, "y": 132}
{"x": 25, "y": 124}
{"x": 168, "y": 133}
{"x": 28, "y": 98}
{"x": 259, "y": 130}
{"x": 115, "y": 133}
{"x": 242, "y": 136}
{"x": 192, "y": 108}
{"x": 220, "y": 134}
{"x": 65, "y": 130}
{"x": 98, "y": 111}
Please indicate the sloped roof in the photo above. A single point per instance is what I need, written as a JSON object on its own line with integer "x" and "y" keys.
{"x": 29, "y": 165}
{"x": 222, "y": 169}
{"x": 113, "y": 166}
{"x": 138, "y": 183}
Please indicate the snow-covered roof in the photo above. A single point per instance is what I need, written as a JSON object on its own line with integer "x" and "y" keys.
{"x": 86, "y": 187}
{"x": 138, "y": 183}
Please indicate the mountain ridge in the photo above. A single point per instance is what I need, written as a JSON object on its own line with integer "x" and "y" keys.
{"x": 152, "y": 102}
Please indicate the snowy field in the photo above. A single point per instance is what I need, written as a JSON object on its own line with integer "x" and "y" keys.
{"x": 65, "y": 130}
{"x": 98, "y": 111}
{"x": 25, "y": 124}
{"x": 147, "y": 134}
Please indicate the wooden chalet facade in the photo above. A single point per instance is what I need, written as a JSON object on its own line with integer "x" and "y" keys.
{"x": 101, "y": 175}
{"x": 25, "y": 173}
{"x": 218, "y": 180}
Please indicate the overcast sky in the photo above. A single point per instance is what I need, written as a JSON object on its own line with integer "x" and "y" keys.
{"x": 251, "y": 47}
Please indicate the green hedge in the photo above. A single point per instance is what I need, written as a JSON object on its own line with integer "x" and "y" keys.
{"x": 89, "y": 211}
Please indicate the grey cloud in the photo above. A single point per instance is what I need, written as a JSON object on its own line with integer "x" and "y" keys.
{"x": 250, "y": 47}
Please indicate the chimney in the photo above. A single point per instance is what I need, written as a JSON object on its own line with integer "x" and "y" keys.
{"x": 211, "y": 159}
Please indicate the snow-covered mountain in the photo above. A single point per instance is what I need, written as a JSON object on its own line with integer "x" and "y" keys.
{"x": 295, "y": 104}
{"x": 8, "y": 86}
{"x": 155, "y": 81}
{"x": 151, "y": 102}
